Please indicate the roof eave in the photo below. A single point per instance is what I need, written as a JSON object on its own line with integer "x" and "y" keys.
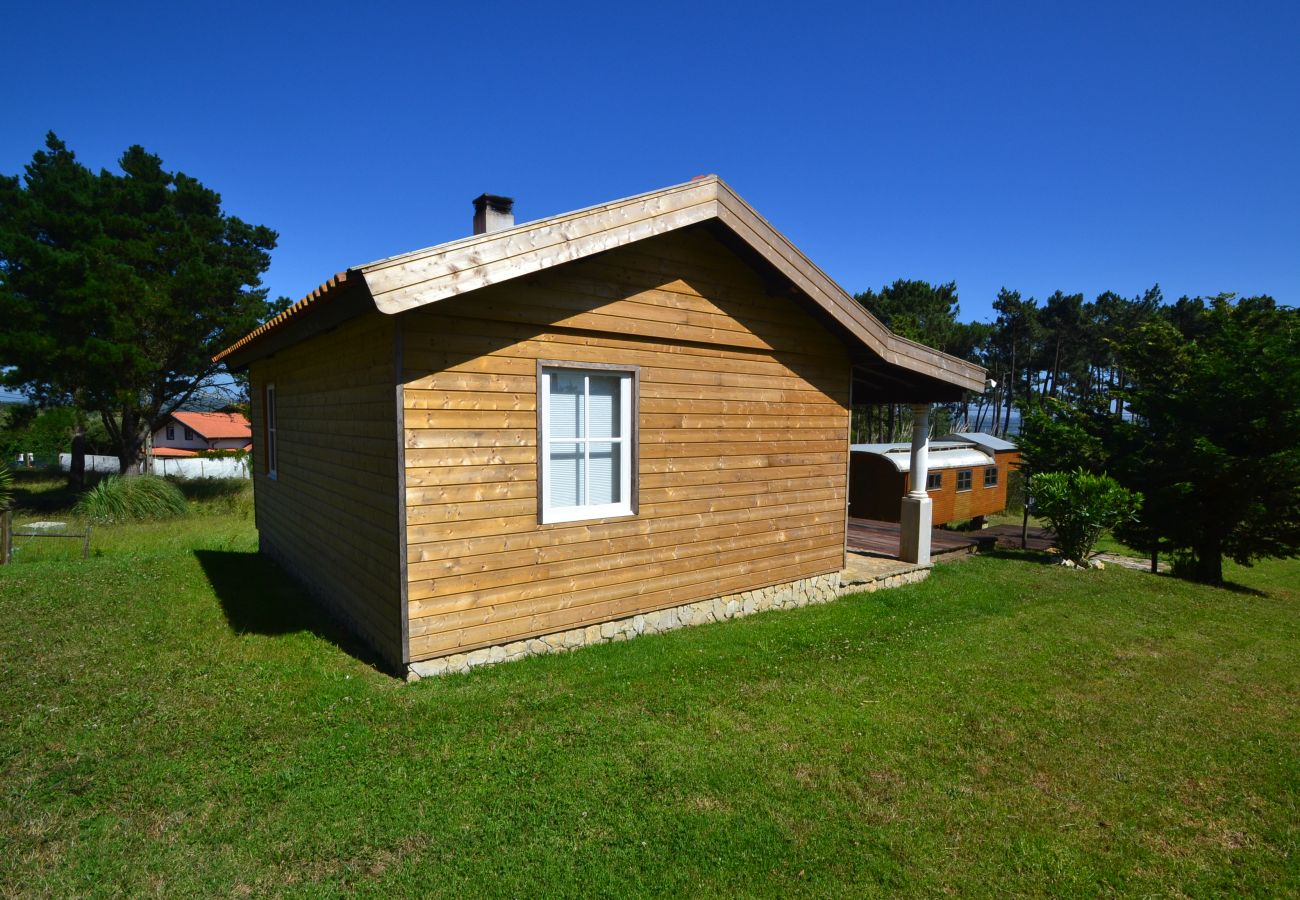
{"x": 422, "y": 277}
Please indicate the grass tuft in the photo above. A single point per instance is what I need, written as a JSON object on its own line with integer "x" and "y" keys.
{"x": 135, "y": 498}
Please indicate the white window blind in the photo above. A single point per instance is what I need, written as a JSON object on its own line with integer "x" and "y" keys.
{"x": 586, "y": 451}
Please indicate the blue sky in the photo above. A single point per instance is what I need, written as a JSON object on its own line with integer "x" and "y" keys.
{"x": 1083, "y": 147}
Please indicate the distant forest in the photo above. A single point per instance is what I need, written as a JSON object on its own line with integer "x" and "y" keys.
{"x": 1063, "y": 349}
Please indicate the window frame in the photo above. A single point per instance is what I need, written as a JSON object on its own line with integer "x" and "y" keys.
{"x": 935, "y": 476}
{"x": 629, "y": 444}
{"x": 189, "y": 433}
{"x": 970, "y": 480}
{"x": 171, "y": 432}
{"x": 993, "y": 471}
{"x": 271, "y": 431}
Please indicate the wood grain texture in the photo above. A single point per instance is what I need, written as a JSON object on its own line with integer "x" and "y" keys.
{"x": 471, "y": 265}
{"x": 743, "y": 423}
{"x": 331, "y": 515}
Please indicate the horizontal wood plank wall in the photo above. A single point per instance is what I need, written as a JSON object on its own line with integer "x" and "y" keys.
{"x": 743, "y": 420}
{"x": 331, "y": 514}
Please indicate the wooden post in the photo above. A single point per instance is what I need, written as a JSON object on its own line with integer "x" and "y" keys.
{"x": 85, "y": 547}
{"x": 6, "y": 535}
{"x": 916, "y": 515}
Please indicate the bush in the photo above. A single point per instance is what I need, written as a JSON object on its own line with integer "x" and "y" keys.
{"x": 131, "y": 498}
{"x": 1080, "y": 506}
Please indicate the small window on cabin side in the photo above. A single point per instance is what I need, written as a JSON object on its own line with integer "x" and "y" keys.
{"x": 587, "y": 437}
{"x": 171, "y": 432}
{"x": 268, "y": 417}
{"x": 991, "y": 476}
{"x": 934, "y": 481}
{"x": 963, "y": 479}
{"x": 189, "y": 434}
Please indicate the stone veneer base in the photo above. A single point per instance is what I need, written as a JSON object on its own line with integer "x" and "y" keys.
{"x": 804, "y": 592}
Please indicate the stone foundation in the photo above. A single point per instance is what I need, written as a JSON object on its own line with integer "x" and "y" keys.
{"x": 804, "y": 592}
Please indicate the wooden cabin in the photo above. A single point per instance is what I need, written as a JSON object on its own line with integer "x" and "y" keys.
{"x": 966, "y": 477}
{"x": 570, "y": 430}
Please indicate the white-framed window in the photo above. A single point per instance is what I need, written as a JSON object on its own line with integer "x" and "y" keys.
{"x": 963, "y": 479}
{"x": 933, "y": 481}
{"x": 268, "y": 417}
{"x": 991, "y": 477}
{"x": 586, "y": 442}
{"x": 171, "y": 432}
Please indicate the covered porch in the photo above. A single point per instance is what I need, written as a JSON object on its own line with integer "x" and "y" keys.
{"x": 913, "y": 539}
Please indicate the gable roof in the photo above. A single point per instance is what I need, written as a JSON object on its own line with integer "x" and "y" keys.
{"x": 426, "y": 276}
{"x": 215, "y": 425}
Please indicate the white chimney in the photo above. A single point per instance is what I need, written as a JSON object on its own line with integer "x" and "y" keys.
{"x": 493, "y": 213}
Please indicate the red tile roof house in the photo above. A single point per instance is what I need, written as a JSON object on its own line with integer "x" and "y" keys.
{"x": 189, "y": 433}
{"x": 580, "y": 429}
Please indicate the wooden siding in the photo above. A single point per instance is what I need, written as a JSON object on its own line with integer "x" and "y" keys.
{"x": 331, "y": 515}
{"x": 952, "y": 505}
{"x": 743, "y": 421}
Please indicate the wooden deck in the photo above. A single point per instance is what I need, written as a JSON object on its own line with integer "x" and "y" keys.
{"x": 1009, "y": 536}
{"x": 881, "y": 539}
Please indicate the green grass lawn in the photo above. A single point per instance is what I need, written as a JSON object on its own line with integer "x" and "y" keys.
{"x": 178, "y": 720}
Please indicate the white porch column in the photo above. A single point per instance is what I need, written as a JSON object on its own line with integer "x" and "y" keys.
{"x": 914, "y": 543}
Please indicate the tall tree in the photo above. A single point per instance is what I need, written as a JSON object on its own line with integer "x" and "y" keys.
{"x": 118, "y": 288}
{"x": 1062, "y": 320}
{"x": 1214, "y": 440}
{"x": 1017, "y": 333}
{"x": 918, "y": 310}
{"x": 923, "y": 312}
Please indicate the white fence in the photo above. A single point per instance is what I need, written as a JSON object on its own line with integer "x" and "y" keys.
{"x": 179, "y": 467}
{"x": 107, "y": 464}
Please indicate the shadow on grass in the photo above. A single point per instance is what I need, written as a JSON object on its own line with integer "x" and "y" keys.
{"x": 44, "y": 493}
{"x": 259, "y": 597}
{"x": 207, "y": 489}
{"x": 1042, "y": 557}
{"x": 1236, "y": 588}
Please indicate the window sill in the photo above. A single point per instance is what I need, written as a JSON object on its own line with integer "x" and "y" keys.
{"x": 569, "y": 515}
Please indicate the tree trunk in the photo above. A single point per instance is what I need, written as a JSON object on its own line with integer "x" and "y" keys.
{"x": 1024, "y": 522}
{"x": 1010, "y": 391}
{"x": 1209, "y": 562}
{"x": 1056, "y": 369}
{"x": 130, "y": 451}
{"x": 77, "y": 466}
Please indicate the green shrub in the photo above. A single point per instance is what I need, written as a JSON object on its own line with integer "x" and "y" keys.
{"x": 131, "y": 498}
{"x": 1080, "y": 506}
